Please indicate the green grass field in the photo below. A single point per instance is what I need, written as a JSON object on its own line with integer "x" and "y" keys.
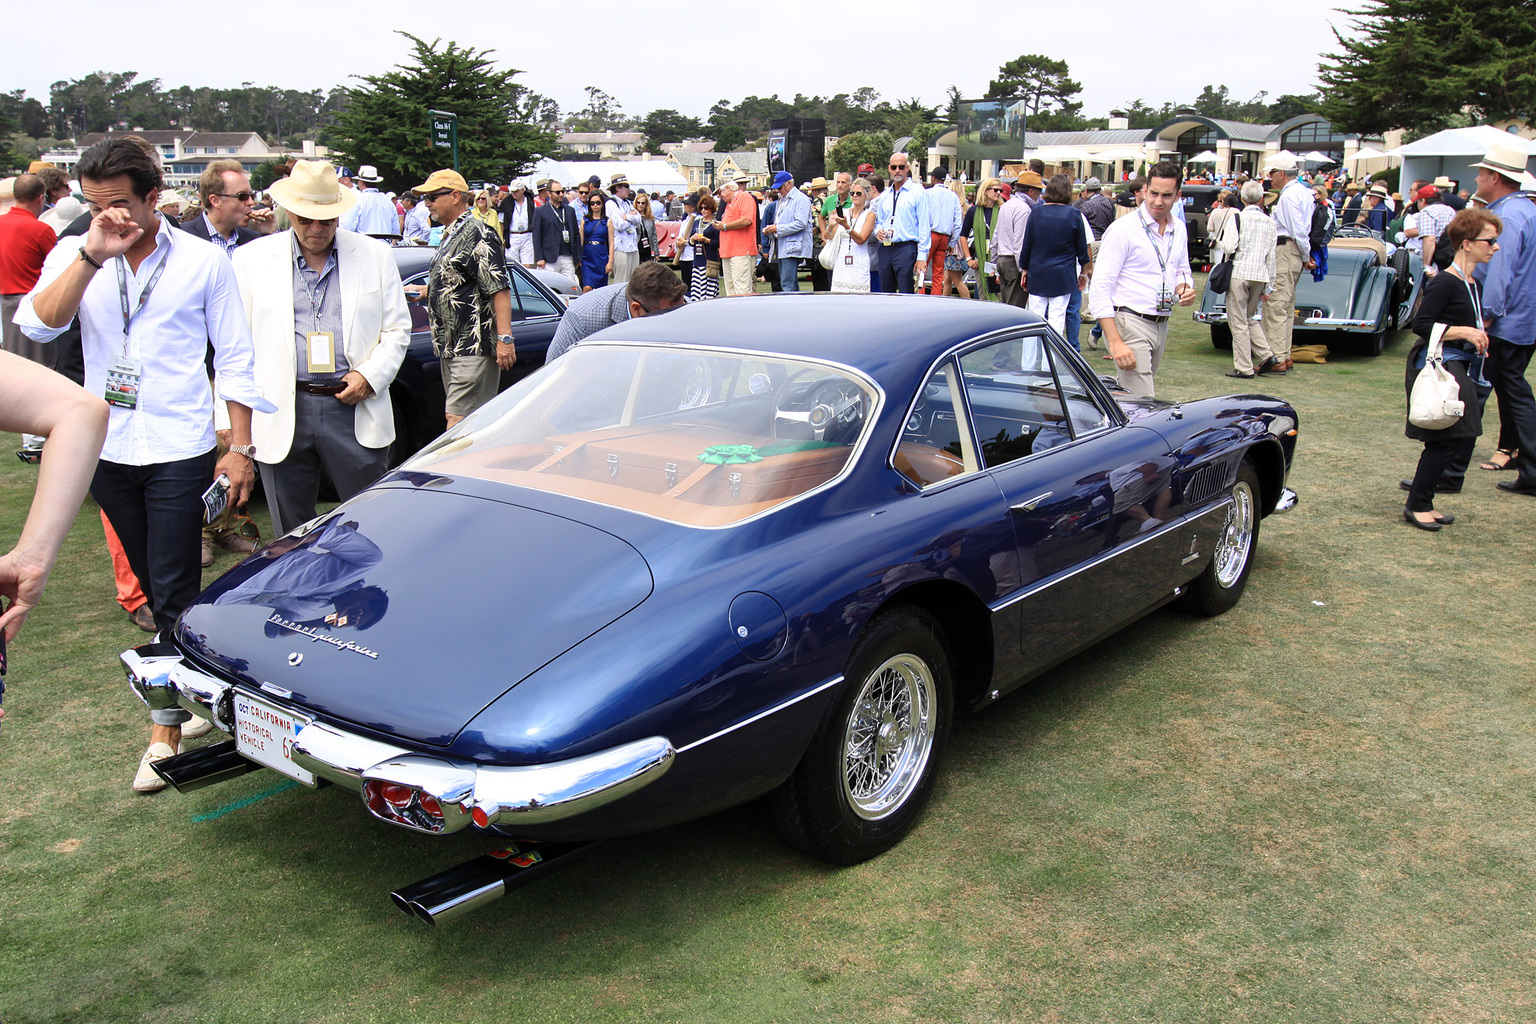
{"x": 1320, "y": 807}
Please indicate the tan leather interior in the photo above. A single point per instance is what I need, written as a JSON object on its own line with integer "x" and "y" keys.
{"x": 1374, "y": 245}
{"x": 924, "y": 464}
{"x": 657, "y": 471}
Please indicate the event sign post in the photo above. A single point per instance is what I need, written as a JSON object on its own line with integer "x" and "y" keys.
{"x": 445, "y": 132}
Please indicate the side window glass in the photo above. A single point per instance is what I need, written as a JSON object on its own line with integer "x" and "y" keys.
{"x": 1017, "y": 409}
{"x": 529, "y": 296}
{"x": 420, "y": 320}
{"x": 935, "y": 443}
{"x": 1083, "y": 409}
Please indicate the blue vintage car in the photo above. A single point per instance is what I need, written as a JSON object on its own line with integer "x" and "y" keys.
{"x": 750, "y": 547}
{"x": 1366, "y": 293}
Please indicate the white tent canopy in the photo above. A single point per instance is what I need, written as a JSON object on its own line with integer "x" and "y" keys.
{"x": 651, "y": 175}
{"x": 1317, "y": 157}
{"x": 1455, "y": 151}
{"x": 1366, "y": 153}
{"x": 1205, "y": 157}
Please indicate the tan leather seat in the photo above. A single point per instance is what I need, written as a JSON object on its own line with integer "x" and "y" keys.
{"x": 1374, "y": 245}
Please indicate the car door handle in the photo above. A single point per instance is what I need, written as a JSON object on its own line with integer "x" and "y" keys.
{"x": 1029, "y": 506}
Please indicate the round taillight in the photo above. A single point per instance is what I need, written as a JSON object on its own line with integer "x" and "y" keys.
{"x": 396, "y": 794}
{"x": 480, "y": 818}
{"x": 375, "y": 801}
{"x": 429, "y": 803}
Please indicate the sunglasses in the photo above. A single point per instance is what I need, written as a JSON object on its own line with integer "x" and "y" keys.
{"x": 994, "y": 188}
{"x": 898, "y": 167}
{"x": 856, "y": 193}
{"x": 1493, "y": 240}
{"x": 244, "y": 197}
{"x": 433, "y": 196}
{"x": 557, "y": 191}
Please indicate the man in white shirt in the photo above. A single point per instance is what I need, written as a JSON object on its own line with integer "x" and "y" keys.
{"x": 146, "y": 322}
{"x": 375, "y": 213}
{"x": 1292, "y": 214}
{"x": 1142, "y": 270}
{"x": 626, "y": 223}
{"x": 944, "y": 216}
{"x": 517, "y": 223}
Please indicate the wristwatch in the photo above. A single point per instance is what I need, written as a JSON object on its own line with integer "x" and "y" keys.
{"x": 248, "y": 450}
{"x": 504, "y": 339}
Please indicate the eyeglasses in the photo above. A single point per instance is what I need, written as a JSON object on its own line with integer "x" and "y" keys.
{"x": 434, "y": 196}
{"x": 898, "y": 167}
{"x": 557, "y": 191}
{"x": 1493, "y": 240}
{"x": 244, "y": 197}
{"x": 654, "y": 312}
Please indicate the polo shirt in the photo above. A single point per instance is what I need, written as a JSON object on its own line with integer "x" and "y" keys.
{"x": 25, "y": 243}
{"x": 739, "y": 241}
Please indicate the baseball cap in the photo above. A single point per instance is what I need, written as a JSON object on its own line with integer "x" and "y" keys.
{"x": 444, "y": 179}
{"x": 782, "y": 178}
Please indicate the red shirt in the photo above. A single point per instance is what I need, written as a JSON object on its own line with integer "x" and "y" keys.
{"x": 25, "y": 242}
{"x": 739, "y": 241}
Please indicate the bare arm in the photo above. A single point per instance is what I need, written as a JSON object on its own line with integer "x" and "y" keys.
{"x": 38, "y": 401}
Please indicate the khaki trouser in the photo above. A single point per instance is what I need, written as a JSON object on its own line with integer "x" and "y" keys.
{"x": 1146, "y": 339}
{"x": 1250, "y": 345}
{"x": 1280, "y": 310}
{"x": 737, "y": 274}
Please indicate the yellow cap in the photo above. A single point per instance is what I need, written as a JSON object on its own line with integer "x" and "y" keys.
{"x": 443, "y": 179}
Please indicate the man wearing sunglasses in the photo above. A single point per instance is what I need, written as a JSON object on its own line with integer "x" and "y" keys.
{"x": 557, "y": 234}
{"x": 227, "y": 202}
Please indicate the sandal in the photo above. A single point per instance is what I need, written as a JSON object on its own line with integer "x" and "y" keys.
{"x": 1509, "y": 457}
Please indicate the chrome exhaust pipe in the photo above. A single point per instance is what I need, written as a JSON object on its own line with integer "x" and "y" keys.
{"x": 469, "y": 886}
{"x": 204, "y": 766}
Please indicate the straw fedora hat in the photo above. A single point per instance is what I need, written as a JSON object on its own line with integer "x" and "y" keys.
{"x": 1509, "y": 162}
{"x": 312, "y": 190}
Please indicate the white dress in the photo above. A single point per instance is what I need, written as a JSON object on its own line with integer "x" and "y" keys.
{"x": 852, "y": 276}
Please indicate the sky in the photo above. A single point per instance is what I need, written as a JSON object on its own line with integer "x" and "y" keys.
{"x": 647, "y": 57}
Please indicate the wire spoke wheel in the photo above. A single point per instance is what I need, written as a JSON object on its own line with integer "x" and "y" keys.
{"x": 889, "y": 737}
{"x": 1236, "y": 538}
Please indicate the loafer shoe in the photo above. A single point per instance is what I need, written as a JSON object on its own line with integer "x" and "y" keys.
{"x": 207, "y": 551}
{"x": 143, "y": 618}
{"x": 1431, "y": 526}
{"x": 1240, "y": 375}
{"x": 1407, "y": 485}
{"x": 1516, "y": 487}
{"x": 146, "y": 781}
{"x": 199, "y": 726}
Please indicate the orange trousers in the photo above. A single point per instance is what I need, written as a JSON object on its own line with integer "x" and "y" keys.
{"x": 129, "y": 594}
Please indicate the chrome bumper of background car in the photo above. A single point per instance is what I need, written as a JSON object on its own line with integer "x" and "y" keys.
{"x": 418, "y": 791}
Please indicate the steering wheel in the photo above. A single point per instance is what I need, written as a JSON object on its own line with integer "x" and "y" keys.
{"x": 824, "y": 407}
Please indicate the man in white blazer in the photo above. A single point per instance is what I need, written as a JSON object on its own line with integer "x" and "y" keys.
{"x": 328, "y": 316}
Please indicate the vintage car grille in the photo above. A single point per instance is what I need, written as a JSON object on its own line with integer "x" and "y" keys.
{"x": 1204, "y": 483}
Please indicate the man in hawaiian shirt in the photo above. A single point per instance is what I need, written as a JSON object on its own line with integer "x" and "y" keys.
{"x": 467, "y": 297}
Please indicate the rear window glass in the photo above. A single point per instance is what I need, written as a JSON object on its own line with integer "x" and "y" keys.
{"x": 694, "y": 436}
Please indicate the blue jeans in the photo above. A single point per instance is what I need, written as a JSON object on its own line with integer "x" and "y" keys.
{"x": 157, "y": 513}
{"x": 789, "y": 273}
{"x": 1075, "y": 320}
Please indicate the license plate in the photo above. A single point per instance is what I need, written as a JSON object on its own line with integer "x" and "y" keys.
{"x": 264, "y": 733}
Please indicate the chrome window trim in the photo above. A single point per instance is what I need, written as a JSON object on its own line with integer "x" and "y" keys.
{"x": 1100, "y": 559}
{"x": 878, "y": 406}
{"x": 1096, "y": 389}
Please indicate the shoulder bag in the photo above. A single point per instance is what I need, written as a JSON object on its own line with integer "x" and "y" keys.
{"x": 1221, "y": 274}
{"x": 829, "y": 251}
{"x": 1435, "y": 402}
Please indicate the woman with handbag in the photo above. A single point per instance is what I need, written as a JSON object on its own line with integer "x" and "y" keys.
{"x": 685, "y": 230}
{"x": 976, "y": 236}
{"x": 647, "y": 228}
{"x": 1452, "y": 301}
{"x": 851, "y": 230}
{"x": 705, "y": 283}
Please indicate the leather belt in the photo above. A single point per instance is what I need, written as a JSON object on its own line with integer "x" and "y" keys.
{"x": 1282, "y": 239}
{"x": 1144, "y": 316}
{"x": 321, "y": 388}
{"x": 519, "y": 232}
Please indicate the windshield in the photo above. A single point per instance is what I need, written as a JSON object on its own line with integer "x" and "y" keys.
{"x": 695, "y": 436}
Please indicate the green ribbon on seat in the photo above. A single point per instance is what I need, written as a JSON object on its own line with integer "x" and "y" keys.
{"x": 729, "y": 454}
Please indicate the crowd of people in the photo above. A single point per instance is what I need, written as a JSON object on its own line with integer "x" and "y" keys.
{"x": 199, "y": 340}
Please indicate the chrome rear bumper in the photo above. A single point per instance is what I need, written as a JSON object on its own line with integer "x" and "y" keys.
{"x": 465, "y": 792}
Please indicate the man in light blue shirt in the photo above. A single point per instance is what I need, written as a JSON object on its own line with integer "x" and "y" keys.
{"x": 375, "y": 212}
{"x": 792, "y": 228}
{"x": 901, "y": 225}
{"x": 418, "y": 226}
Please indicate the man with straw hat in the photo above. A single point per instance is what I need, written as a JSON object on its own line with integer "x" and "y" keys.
{"x": 328, "y": 317}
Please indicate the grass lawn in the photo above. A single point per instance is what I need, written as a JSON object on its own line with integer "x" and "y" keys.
{"x": 1320, "y": 807}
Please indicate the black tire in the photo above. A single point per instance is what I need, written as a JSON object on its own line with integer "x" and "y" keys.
{"x": 1401, "y": 285}
{"x": 855, "y": 794}
{"x": 1221, "y": 336}
{"x": 1221, "y": 583}
{"x": 1371, "y": 344}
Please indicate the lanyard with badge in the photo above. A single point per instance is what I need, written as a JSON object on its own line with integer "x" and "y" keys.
{"x": 319, "y": 346}
{"x": 125, "y": 373}
{"x": 1164, "y": 293}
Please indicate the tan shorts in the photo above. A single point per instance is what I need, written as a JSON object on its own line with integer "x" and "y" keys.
{"x": 469, "y": 381}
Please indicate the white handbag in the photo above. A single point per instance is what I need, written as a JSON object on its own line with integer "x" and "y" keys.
{"x": 1435, "y": 402}
{"x": 828, "y": 254}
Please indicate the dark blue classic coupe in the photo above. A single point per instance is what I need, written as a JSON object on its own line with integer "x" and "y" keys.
{"x": 751, "y": 547}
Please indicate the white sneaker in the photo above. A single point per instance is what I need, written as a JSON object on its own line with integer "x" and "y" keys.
{"x": 146, "y": 781}
{"x": 199, "y": 726}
